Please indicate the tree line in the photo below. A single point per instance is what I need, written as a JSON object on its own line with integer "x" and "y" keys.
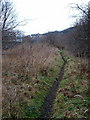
{"x": 77, "y": 38}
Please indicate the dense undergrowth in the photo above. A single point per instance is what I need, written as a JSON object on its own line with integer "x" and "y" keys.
{"x": 28, "y": 73}
{"x": 72, "y": 99}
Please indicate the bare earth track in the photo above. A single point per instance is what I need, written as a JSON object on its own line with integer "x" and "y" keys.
{"x": 49, "y": 100}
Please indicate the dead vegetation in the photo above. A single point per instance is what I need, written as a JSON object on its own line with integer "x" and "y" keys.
{"x": 72, "y": 97}
{"x": 22, "y": 68}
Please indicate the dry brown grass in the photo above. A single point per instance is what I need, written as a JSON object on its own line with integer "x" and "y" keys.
{"x": 72, "y": 98}
{"x": 26, "y": 55}
{"x": 21, "y": 66}
{"x": 84, "y": 67}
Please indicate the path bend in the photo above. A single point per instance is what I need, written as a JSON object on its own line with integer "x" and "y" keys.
{"x": 49, "y": 100}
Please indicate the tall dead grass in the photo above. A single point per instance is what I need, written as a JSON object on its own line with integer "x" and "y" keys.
{"x": 84, "y": 67}
{"x": 21, "y": 65}
{"x": 35, "y": 56}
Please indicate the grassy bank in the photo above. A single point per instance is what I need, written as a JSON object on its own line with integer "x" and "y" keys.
{"x": 28, "y": 73}
{"x": 72, "y": 99}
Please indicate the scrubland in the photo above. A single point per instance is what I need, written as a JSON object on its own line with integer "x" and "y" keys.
{"x": 28, "y": 72}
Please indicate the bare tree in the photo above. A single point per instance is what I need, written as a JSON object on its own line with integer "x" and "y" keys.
{"x": 8, "y": 19}
{"x": 8, "y": 15}
{"x": 81, "y": 34}
{"x": 1, "y": 10}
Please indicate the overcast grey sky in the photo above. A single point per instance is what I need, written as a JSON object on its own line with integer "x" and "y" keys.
{"x": 45, "y": 15}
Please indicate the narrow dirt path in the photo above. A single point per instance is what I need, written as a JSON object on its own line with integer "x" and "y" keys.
{"x": 49, "y": 100}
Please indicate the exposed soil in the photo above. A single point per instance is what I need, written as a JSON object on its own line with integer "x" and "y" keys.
{"x": 49, "y": 100}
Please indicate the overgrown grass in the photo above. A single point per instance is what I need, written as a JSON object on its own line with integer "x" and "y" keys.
{"x": 34, "y": 107}
{"x": 72, "y": 99}
{"x": 28, "y": 73}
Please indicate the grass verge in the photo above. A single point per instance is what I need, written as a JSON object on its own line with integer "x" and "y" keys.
{"x": 72, "y": 99}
